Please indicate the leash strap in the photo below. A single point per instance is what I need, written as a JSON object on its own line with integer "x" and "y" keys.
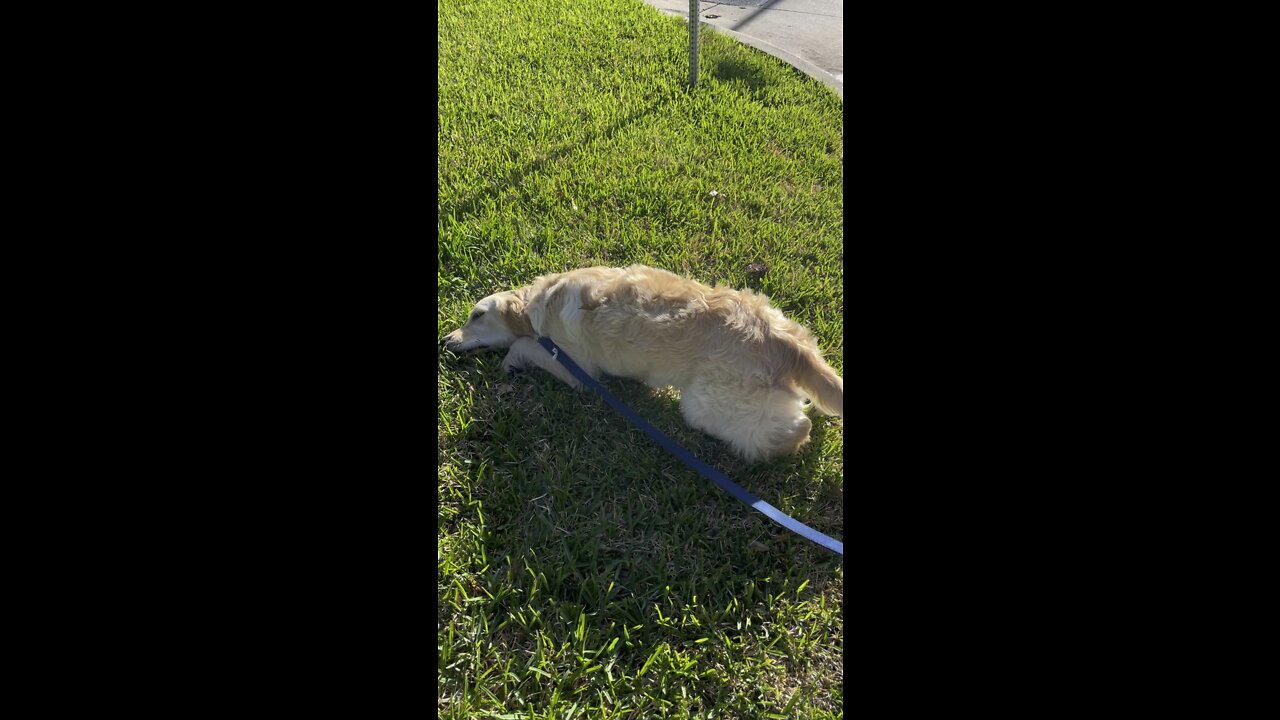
{"x": 692, "y": 460}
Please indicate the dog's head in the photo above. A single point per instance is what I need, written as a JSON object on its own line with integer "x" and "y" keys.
{"x": 495, "y": 323}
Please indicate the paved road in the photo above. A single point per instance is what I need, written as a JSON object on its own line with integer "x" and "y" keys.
{"x": 808, "y": 34}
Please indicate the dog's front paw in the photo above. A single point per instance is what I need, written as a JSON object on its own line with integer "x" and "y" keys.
{"x": 512, "y": 366}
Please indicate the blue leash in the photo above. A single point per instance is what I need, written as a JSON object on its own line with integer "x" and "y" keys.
{"x": 692, "y": 460}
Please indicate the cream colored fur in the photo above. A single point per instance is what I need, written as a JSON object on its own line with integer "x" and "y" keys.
{"x": 741, "y": 367}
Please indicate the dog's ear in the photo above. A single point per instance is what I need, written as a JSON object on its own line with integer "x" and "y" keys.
{"x": 514, "y": 315}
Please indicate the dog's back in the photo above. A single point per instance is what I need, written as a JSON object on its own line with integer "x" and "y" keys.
{"x": 657, "y": 327}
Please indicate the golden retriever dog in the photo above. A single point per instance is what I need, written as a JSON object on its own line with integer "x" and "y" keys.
{"x": 742, "y": 368}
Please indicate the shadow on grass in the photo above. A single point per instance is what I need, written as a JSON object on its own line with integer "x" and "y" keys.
{"x": 567, "y": 480}
{"x": 468, "y": 205}
{"x": 586, "y": 520}
{"x": 733, "y": 69}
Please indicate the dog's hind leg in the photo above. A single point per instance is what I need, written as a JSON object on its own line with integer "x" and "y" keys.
{"x": 758, "y": 425}
{"x": 526, "y": 351}
{"x": 699, "y": 409}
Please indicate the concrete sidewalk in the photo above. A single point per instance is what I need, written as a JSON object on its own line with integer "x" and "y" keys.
{"x": 808, "y": 34}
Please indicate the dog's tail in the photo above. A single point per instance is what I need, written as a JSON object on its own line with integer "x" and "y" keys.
{"x": 821, "y": 382}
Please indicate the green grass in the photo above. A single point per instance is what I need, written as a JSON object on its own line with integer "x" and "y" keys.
{"x": 583, "y": 571}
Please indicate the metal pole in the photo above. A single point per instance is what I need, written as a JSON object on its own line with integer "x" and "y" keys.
{"x": 693, "y": 43}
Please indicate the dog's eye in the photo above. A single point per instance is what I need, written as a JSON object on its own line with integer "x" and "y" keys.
{"x": 476, "y": 315}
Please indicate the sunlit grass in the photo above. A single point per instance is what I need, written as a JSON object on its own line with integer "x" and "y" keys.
{"x": 583, "y": 572}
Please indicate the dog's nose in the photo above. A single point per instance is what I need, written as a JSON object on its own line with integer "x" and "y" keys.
{"x": 443, "y": 340}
